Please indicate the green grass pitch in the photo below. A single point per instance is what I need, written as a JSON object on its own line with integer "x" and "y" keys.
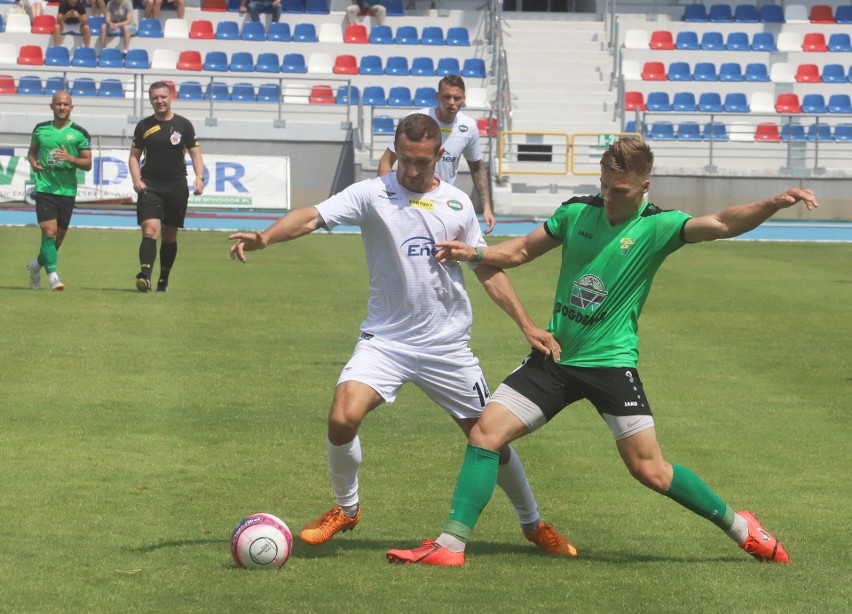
{"x": 136, "y": 430}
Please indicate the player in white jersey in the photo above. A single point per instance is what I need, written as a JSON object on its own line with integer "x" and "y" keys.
{"x": 460, "y": 137}
{"x": 418, "y": 318}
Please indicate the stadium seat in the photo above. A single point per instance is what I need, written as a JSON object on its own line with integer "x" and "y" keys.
{"x": 661, "y": 131}
{"x": 54, "y": 84}
{"x": 839, "y": 41}
{"x": 843, "y": 14}
{"x": 821, "y": 13}
{"x": 43, "y": 24}
{"x": 688, "y": 131}
{"x": 788, "y": 102}
{"x": 406, "y": 35}
{"x": 814, "y": 103}
{"x": 731, "y": 71}
{"x": 781, "y": 72}
{"x": 720, "y": 13}
{"x": 476, "y": 97}
{"x": 425, "y": 97}
{"x": 217, "y": 90}
{"x": 636, "y": 39}
{"x": 267, "y": 62}
{"x": 737, "y": 41}
{"x": 630, "y": 70}
{"x": 792, "y": 132}
{"x": 814, "y": 41}
{"x": 163, "y": 59}
{"x": 111, "y": 57}
{"x": 712, "y": 41}
{"x": 381, "y": 35}
{"x": 742, "y": 132}
{"x": 661, "y": 39}
{"x": 762, "y": 102}
{"x": 252, "y": 31}
{"x": 383, "y": 124}
{"x": 679, "y": 71}
{"x": 654, "y": 71}
{"x": 149, "y": 28}
{"x": 843, "y": 132}
{"x": 735, "y": 102}
{"x": 399, "y": 96}
{"x": 320, "y": 63}
{"x": 374, "y": 96}
{"x": 756, "y": 72}
{"x": 84, "y": 57}
{"x": 84, "y": 86}
{"x": 18, "y": 23}
{"x": 710, "y": 102}
{"x": 458, "y": 36}
{"x": 227, "y": 31}
{"x": 137, "y": 58}
{"x": 686, "y": 40}
{"x": 268, "y": 92}
{"x": 684, "y": 102}
{"x": 306, "y": 33}
{"x": 7, "y": 84}
{"x": 57, "y": 56}
{"x": 705, "y": 71}
{"x": 849, "y": 76}
{"x": 746, "y": 13}
{"x": 425, "y": 67}
{"x": 630, "y": 126}
{"x": 176, "y": 28}
{"x": 330, "y": 33}
{"x": 201, "y": 29}
{"x": 241, "y": 61}
{"x": 819, "y": 132}
{"x": 396, "y": 65}
{"x": 808, "y": 73}
{"x": 317, "y": 7}
{"x": 9, "y": 53}
{"x": 767, "y": 131}
{"x": 771, "y": 13}
{"x": 796, "y": 13}
{"x": 214, "y": 6}
{"x": 30, "y": 85}
{"x": 790, "y": 41}
{"x": 189, "y": 60}
{"x": 355, "y": 34}
{"x": 294, "y": 63}
{"x": 345, "y": 65}
{"x": 292, "y": 6}
{"x": 279, "y": 31}
{"x": 839, "y": 103}
{"x": 395, "y": 8}
{"x": 190, "y": 90}
{"x": 111, "y": 88}
{"x": 715, "y": 131}
{"x": 474, "y": 67}
{"x": 658, "y": 101}
{"x": 32, "y": 55}
{"x": 695, "y": 12}
{"x": 486, "y": 127}
{"x": 634, "y": 101}
{"x": 321, "y": 94}
{"x": 432, "y": 35}
{"x": 347, "y": 95}
{"x": 833, "y": 73}
{"x": 447, "y": 66}
{"x": 764, "y": 41}
{"x": 370, "y": 65}
{"x": 243, "y": 92}
{"x": 216, "y": 61}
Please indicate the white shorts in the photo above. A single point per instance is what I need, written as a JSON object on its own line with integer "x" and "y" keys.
{"x": 72, "y": 28}
{"x": 451, "y": 378}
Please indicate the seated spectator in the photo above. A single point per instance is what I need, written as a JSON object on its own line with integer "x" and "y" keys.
{"x": 255, "y": 7}
{"x": 375, "y": 8}
{"x": 119, "y": 20}
{"x": 152, "y": 7}
{"x": 97, "y": 7}
{"x": 33, "y": 7}
{"x": 71, "y": 19}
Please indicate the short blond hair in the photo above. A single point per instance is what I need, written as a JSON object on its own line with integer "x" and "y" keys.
{"x": 629, "y": 155}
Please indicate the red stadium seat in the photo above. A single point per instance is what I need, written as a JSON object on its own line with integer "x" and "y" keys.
{"x": 202, "y": 28}
{"x": 355, "y": 34}
{"x": 345, "y": 65}
{"x": 821, "y": 13}
{"x": 767, "y": 131}
{"x": 216, "y": 6}
{"x": 31, "y": 55}
{"x": 808, "y": 73}
{"x": 487, "y": 128}
{"x": 189, "y": 60}
{"x": 662, "y": 39}
{"x": 654, "y": 71}
{"x": 814, "y": 41}
{"x": 172, "y": 88}
{"x": 7, "y": 84}
{"x": 43, "y": 24}
{"x": 321, "y": 94}
{"x": 634, "y": 101}
{"x": 788, "y": 103}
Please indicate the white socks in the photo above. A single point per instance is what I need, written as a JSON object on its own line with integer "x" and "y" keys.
{"x": 512, "y": 479}
{"x": 739, "y": 530}
{"x": 343, "y": 463}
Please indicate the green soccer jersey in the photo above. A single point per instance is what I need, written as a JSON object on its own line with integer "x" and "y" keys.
{"x": 58, "y": 177}
{"x": 605, "y": 278}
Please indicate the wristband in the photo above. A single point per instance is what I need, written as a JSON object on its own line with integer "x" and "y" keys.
{"x": 480, "y": 255}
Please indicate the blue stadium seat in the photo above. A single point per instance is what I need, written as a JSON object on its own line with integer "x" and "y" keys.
{"x": 771, "y": 13}
{"x": 694, "y": 12}
{"x": 395, "y": 8}
{"x": 764, "y": 41}
{"x": 383, "y": 124}
{"x": 370, "y": 65}
{"x": 710, "y": 102}
{"x": 679, "y": 71}
{"x": 294, "y": 63}
{"x": 292, "y": 6}
{"x": 458, "y": 37}
{"x": 736, "y": 102}
{"x": 432, "y": 35}
{"x": 684, "y": 102}
{"x": 820, "y": 132}
{"x": 843, "y": 14}
{"x": 30, "y": 84}
{"x": 53, "y": 85}
{"x": 630, "y": 126}
{"x": 737, "y": 41}
{"x": 268, "y": 92}
{"x": 715, "y": 131}
{"x": 474, "y": 67}
{"x": 2, "y": 25}
{"x": 57, "y": 56}
{"x": 253, "y": 31}
{"x": 305, "y": 33}
{"x": 712, "y": 41}
{"x": 267, "y": 62}
{"x": 833, "y": 73}
{"x": 216, "y": 61}
{"x": 381, "y": 35}
{"x": 425, "y": 67}
{"x": 688, "y": 131}
{"x": 756, "y": 72}
{"x": 843, "y": 132}
{"x": 216, "y": 90}
{"x": 95, "y": 22}
{"x": 447, "y": 66}
{"x": 111, "y": 57}
{"x": 279, "y": 31}
{"x": 84, "y": 57}
{"x": 84, "y": 86}
{"x": 241, "y": 61}
{"x": 849, "y": 76}
{"x": 425, "y": 97}
{"x": 662, "y": 131}
{"x": 720, "y": 13}
{"x": 347, "y": 95}
{"x": 793, "y": 132}
{"x": 111, "y": 88}
{"x": 190, "y": 90}
{"x": 406, "y": 35}
{"x": 149, "y": 28}
{"x": 731, "y": 71}
{"x": 228, "y": 30}
{"x": 137, "y": 58}
{"x": 399, "y": 96}
{"x": 705, "y": 71}
{"x": 658, "y": 101}
{"x": 840, "y": 41}
{"x": 839, "y": 103}
{"x": 746, "y": 13}
{"x": 814, "y": 103}
{"x": 243, "y": 92}
{"x": 374, "y": 96}
{"x": 396, "y": 65}
{"x": 317, "y": 7}
{"x": 687, "y": 40}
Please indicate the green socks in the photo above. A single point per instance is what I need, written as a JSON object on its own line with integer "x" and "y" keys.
{"x": 47, "y": 255}
{"x": 692, "y": 493}
{"x": 474, "y": 488}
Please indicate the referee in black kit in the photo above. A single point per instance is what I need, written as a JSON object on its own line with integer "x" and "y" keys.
{"x": 158, "y": 170}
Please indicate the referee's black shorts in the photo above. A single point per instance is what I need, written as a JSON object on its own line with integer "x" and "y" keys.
{"x": 165, "y": 204}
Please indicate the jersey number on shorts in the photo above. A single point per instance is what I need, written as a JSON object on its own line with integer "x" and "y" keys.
{"x": 482, "y": 390}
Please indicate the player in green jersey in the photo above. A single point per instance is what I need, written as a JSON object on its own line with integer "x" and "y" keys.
{"x": 612, "y": 245}
{"x": 58, "y": 149}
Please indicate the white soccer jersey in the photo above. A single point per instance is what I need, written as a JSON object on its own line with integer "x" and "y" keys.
{"x": 413, "y": 299}
{"x": 460, "y": 138}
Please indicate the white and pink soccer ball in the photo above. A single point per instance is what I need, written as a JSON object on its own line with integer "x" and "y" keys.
{"x": 261, "y": 541}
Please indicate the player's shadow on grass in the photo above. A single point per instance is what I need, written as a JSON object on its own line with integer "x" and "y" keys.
{"x": 179, "y": 543}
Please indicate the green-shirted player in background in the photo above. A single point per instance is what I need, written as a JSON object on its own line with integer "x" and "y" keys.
{"x": 58, "y": 149}
{"x": 612, "y": 245}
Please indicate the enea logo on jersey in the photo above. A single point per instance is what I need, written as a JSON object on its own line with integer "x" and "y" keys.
{"x": 421, "y": 203}
{"x": 588, "y": 291}
{"x": 419, "y": 246}
{"x": 463, "y": 128}
{"x": 455, "y": 205}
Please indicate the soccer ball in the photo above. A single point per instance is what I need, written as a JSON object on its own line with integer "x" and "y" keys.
{"x": 261, "y": 541}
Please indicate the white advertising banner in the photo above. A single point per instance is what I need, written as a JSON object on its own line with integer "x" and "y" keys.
{"x": 232, "y": 182}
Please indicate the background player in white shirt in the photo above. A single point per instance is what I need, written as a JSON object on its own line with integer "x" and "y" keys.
{"x": 418, "y": 317}
{"x": 460, "y": 138}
